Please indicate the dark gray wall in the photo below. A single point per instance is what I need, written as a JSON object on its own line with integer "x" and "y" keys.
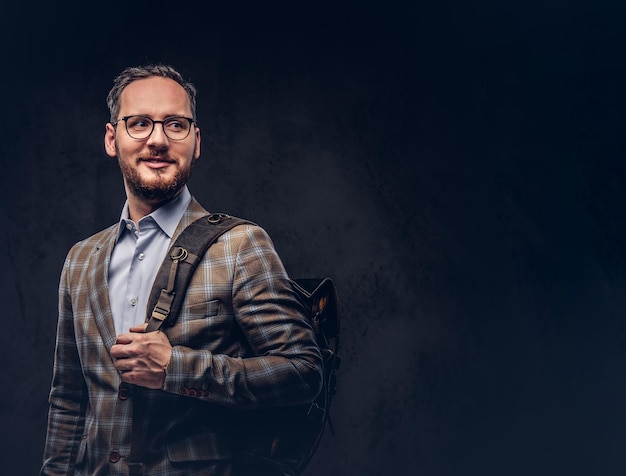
{"x": 458, "y": 170}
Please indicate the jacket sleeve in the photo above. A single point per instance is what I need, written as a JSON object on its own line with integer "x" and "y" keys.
{"x": 68, "y": 394}
{"x": 284, "y": 365}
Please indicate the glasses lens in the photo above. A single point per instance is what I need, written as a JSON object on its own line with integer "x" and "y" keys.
{"x": 177, "y": 128}
{"x": 139, "y": 127}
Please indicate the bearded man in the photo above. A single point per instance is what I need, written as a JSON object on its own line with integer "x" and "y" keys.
{"x": 240, "y": 342}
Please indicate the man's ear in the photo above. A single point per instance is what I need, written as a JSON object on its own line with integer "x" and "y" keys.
{"x": 196, "y": 152}
{"x": 109, "y": 140}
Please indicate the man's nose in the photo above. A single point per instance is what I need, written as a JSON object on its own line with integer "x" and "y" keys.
{"x": 158, "y": 137}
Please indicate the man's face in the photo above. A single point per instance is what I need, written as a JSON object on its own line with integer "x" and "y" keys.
{"x": 155, "y": 169}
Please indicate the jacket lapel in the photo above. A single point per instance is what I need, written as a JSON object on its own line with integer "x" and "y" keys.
{"x": 194, "y": 212}
{"x": 98, "y": 285}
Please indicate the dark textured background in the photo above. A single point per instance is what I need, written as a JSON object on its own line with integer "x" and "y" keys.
{"x": 457, "y": 169}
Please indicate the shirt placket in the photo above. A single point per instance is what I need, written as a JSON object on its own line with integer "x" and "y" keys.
{"x": 137, "y": 274}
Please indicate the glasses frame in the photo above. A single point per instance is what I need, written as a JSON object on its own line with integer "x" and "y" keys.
{"x": 125, "y": 119}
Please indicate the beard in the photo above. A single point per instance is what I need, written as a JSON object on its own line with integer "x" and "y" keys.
{"x": 160, "y": 188}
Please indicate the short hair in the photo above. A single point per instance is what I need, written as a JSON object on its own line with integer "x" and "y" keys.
{"x": 141, "y": 72}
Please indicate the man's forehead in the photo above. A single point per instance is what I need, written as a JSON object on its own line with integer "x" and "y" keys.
{"x": 154, "y": 90}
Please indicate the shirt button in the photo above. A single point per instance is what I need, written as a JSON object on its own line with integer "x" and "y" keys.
{"x": 133, "y": 302}
{"x": 114, "y": 456}
{"x": 141, "y": 256}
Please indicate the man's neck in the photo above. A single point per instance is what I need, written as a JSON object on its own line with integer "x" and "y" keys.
{"x": 137, "y": 209}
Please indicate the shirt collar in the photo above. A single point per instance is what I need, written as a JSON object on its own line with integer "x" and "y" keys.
{"x": 167, "y": 216}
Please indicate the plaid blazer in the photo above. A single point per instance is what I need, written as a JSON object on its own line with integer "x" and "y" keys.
{"x": 240, "y": 342}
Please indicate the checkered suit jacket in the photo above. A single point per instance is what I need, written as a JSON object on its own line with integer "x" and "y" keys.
{"x": 241, "y": 342}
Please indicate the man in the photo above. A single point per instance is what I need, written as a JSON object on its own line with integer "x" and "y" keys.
{"x": 241, "y": 341}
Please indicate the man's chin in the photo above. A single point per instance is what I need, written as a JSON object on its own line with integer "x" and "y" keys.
{"x": 154, "y": 187}
{"x": 155, "y": 193}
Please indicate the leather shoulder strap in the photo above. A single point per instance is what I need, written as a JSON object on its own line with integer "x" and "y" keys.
{"x": 168, "y": 290}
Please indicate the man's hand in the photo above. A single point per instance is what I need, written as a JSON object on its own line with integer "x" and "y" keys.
{"x": 141, "y": 357}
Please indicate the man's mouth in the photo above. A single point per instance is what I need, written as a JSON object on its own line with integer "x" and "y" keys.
{"x": 157, "y": 162}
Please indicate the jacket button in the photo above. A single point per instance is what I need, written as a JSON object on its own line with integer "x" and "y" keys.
{"x": 114, "y": 456}
{"x": 123, "y": 392}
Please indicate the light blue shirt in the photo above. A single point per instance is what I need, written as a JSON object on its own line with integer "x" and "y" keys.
{"x": 137, "y": 257}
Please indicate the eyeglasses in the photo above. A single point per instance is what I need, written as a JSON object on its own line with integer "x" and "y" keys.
{"x": 141, "y": 127}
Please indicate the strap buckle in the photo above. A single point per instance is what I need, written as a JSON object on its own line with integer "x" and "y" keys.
{"x": 218, "y": 217}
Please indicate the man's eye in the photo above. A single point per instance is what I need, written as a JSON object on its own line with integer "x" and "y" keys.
{"x": 175, "y": 125}
{"x": 138, "y": 123}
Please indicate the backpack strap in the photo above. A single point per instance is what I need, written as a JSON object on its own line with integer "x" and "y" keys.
{"x": 180, "y": 264}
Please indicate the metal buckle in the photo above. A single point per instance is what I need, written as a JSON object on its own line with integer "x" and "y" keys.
{"x": 181, "y": 255}
{"x": 215, "y": 218}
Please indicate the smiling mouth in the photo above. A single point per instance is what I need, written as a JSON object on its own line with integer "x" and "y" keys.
{"x": 157, "y": 161}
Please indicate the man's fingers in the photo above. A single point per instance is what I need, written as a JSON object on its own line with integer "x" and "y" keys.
{"x": 124, "y": 339}
{"x": 118, "y": 351}
{"x": 140, "y": 328}
{"x": 141, "y": 357}
{"x": 124, "y": 347}
{"x": 123, "y": 365}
